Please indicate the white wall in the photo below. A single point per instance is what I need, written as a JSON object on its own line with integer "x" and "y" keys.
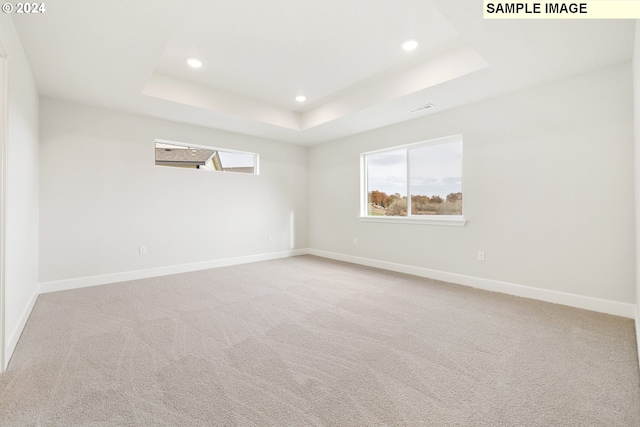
{"x": 21, "y": 258}
{"x": 548, "y": 190}
{"x": 102, "y": 196}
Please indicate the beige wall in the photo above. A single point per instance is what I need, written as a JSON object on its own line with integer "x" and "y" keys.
{"x": 102, "y": 196}
{"x": 548, "y": 190}
{"x": 21, "y": 222}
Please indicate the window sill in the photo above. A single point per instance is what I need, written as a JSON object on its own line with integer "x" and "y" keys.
{"x": 449, "y": 220}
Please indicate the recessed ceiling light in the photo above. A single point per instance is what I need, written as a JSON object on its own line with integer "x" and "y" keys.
{"x": 301, "y": 98}
{"x": 409, "y": 45}
{"x": 194, "y": 62}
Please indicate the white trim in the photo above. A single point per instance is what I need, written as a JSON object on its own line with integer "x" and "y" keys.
{"x": 453, "y": 220}
{"x": 364, "y": 177}
{"x": 573, "y": 300}
{"x": 256, "y": 156}
{"x": 418, "y": 144}
{"x": 4, "y": 356}
{"x": 15, "y": 336}
{"x": 638, "y": 333}
{"x": 83, "y": 282}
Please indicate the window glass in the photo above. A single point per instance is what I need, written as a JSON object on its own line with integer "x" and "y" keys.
{"x": 430, "y": 172}
{"x": 204, "y": 158}
{"x": 387, "y": 183}
{"x": 436, "y": 179}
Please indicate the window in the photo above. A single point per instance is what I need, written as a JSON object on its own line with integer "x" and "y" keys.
{"x": 189, "y": 156}
{"x": 421, "y": 181}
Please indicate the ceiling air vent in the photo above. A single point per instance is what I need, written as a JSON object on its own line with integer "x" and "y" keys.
{"x": 422, "y": 108}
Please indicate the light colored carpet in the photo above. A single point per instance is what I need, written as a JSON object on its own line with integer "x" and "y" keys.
{"x": 308, "y": 341}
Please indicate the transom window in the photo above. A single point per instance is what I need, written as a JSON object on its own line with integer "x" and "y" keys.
{"x": 190, "y": 156}
{"x": 416, "y": 181}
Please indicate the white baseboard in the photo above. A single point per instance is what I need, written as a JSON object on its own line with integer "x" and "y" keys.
{"x": 15, "y": 336}
{"x": 579, "y": 301}
{"x": 573, "y": 300}
{"x": 83, "y": 282}
{"x": 638, "y": 332}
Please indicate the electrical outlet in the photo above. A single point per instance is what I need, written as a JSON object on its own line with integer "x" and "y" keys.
{"x": 355, "y": 240}
{"x": 480, "y": 255}
{"x": 142, "y": 250}
{"x": 269, "y": 239}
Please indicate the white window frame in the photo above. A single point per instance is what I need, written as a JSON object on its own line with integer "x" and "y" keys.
{"x": 452, "y": 220}
{"x": 256, "y": 156}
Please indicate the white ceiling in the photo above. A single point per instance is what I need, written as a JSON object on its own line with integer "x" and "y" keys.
{"x": 344, "y": 56}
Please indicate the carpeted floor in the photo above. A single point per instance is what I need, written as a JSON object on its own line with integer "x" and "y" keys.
{"x": 309, "y": 341}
